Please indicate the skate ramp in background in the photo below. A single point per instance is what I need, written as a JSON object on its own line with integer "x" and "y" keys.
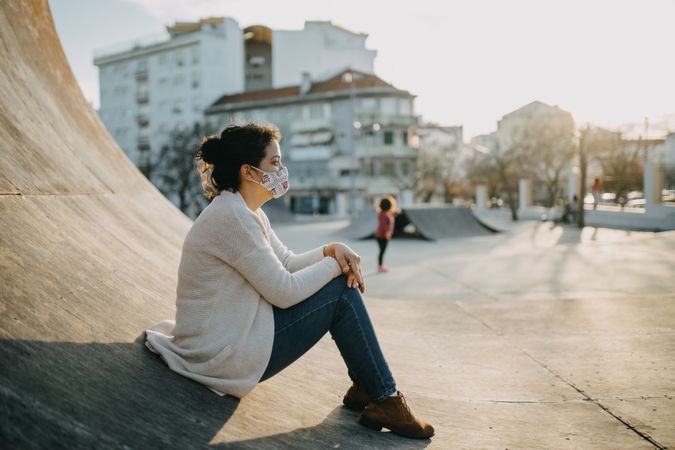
{"x": 277, "y": 211}
{"x": 426, "y": 222}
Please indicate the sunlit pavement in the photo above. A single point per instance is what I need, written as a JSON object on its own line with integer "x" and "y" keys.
{"x": 542, "y": 336}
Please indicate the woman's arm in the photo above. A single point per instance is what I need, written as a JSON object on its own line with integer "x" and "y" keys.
{"x": 294, "y": 261}
{"x": 245, "y": 248}
{"x": 290, "y": 260}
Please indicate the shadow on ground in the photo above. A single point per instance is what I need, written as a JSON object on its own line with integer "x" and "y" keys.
{"x": 120, "y": 395}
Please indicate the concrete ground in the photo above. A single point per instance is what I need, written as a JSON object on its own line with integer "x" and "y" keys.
{"x": 539, "y": 337}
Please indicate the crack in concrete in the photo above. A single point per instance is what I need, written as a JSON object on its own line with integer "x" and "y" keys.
{"x": 596, "y": 402}
{"x": 537, "y": 402}
{"x": 583, "y": 393}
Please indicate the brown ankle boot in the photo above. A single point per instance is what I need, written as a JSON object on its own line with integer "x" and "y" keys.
{"x": 356, "y": 398}
{"x": 394, "y": 414}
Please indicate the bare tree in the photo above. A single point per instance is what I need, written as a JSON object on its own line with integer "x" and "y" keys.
{"x": 173, "y": 172}
{"x": 439, "y": 164}
{"x": 545, "y": 145}
{"x": 499, "y": 168}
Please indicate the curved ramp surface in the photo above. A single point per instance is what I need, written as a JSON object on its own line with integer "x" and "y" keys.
{"x": 429, "y": 222}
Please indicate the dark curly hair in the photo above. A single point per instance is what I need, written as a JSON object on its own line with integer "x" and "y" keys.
{"x": 219, "y": 158}
{"x": 385, "y": 204}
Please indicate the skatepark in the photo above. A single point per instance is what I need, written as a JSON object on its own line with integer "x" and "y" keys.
{"x": 535, "y": 336}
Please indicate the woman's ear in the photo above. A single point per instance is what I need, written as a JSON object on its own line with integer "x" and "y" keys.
{"x": 245, "y": 173}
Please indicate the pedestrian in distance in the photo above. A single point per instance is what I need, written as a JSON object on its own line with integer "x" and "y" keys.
{"x": 595, "y": 191}
{"x": 247, "y": 306}
{"x": 386, "y": 219}
{"x": 573, "y": 210}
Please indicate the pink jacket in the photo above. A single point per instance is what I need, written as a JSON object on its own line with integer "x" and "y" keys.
{"x": 385, "y": 225}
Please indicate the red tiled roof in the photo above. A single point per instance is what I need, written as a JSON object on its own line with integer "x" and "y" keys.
{"x": 336, "y": 83}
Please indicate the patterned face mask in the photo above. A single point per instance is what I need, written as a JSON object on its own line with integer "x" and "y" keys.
{"x": 275, "y": 182}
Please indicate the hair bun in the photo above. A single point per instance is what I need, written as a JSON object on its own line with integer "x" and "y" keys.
{"x": 211, "y": 149}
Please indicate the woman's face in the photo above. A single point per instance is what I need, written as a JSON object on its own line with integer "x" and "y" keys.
{"x": 272, "y": 160}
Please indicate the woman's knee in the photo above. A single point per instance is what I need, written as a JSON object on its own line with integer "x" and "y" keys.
{"x": 351, "y": 294}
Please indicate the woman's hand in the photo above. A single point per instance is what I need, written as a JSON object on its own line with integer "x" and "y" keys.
{"x": 350, "y": 263}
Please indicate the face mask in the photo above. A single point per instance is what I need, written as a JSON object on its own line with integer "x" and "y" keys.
{"x": 275, "y": 182}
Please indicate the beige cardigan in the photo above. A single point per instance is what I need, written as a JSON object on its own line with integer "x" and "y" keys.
{"x": 233, "y": 268}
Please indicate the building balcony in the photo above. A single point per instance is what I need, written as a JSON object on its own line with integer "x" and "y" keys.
{"x": 143, "y": 120}
{"x": 311, "y": 153}
{"x": 143, "y": 144}
{"x": 386, "y": 120}
{"x": 142, "y": 75}
{"x": 385, "y": 151}
{"x": 144, "y": 162}
{"x": 142, "y": 98}
{"x": 305, "y": 125}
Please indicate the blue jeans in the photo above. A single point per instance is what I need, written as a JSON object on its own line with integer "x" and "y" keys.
{"x": 340, "y": 310}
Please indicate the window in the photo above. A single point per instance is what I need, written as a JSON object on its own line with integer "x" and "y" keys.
{"x": 120, "y": 91}
{"x": 388, "y": 168}
{"x": 316, "y": 110}
{"x": 406, "y": 168}
{"x": 404, "y": 107}
{"x": 368, "y": 105}
{"x": 388, "y": 137}
{"x": 256, "y": 61}
{"x": 178, "y": 106}
{"x": 195, "y": 84}
{"x": 180, "y": 59}
{"x": 195, "y": 56}
{"x": 388, "y": 106}
{"x": 404, "y": 137}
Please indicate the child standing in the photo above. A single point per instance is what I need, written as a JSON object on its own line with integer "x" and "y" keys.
{"x": 385, "y": 228}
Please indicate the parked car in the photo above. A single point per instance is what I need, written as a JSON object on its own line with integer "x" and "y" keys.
{"x": 636, "y": 203}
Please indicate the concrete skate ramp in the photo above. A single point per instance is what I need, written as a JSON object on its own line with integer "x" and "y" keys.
{"x": 428, "y": 222}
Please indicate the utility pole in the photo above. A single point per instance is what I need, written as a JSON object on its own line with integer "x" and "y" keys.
{"x": 583, "y": 167}
{"x": 349, "y": 77}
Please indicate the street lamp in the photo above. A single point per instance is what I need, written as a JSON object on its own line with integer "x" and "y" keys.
{"x": 349, "y": 77}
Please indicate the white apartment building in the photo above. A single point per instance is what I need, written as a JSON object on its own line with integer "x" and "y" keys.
{"x": 349, "y": 135}
{"x": 321, "y": 50}
{"x": 148, "y": 88}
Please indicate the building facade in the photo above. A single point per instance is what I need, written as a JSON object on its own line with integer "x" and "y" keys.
{"x": 148, "y": 90}
{"x": 346, "y": 140}
{"x": 325, "y": 48}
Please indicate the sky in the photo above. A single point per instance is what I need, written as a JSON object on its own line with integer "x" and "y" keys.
{"x": 469, "y": 62}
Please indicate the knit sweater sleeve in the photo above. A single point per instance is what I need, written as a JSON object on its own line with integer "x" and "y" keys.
{"x": 245, "y": 247}
{"x": 291, "y": 261}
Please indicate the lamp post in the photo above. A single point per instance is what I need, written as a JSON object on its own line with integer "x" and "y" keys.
{"x": 349, "y": 77}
